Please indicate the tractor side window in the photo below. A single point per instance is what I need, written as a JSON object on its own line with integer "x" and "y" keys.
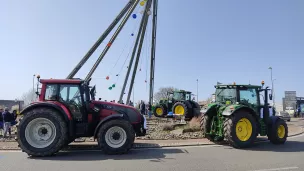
{"x": 249, "y": 96}
{"x": 71, "y": 97}
{"x": 51, "y": 92}
{"x": 188, "y": 97}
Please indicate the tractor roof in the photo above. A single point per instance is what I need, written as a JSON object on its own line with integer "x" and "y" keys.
{"x": 237, "y": 85}
{"x": 61, "y": 81}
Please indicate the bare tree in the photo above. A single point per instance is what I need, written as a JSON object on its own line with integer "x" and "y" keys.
{"x": 163, "y": 93}
{"x": 29, "y": 97}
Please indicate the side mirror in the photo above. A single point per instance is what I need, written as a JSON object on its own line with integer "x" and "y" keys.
{"x": 270, "y": 96}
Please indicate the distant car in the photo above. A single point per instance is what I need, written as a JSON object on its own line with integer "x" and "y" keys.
{"x": 284, "y": 115}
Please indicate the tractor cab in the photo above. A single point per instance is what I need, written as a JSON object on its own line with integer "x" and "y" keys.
{"x": 74, "y": 94}
{"x": 247, "y": 95}
{"x": 180, "y": 95}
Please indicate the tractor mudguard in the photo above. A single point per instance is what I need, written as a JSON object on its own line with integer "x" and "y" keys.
{"x": 59, "y": 107}
{"x": 108, "y": 118}
{"x": 188, "y": 104}
{"x": 272, "y": 120}
{"x": 211, "y": 108}
{"x": 231, "y": 109}
{"x": 56, "y": 106}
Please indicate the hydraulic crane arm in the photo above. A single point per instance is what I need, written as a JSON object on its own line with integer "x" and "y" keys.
{"x": 101, "y": 38}
{"x": 88, "y": 77}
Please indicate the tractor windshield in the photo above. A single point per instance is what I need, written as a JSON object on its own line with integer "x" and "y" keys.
{"x": 178, "y": 96}
{"x": 225, "y": 95}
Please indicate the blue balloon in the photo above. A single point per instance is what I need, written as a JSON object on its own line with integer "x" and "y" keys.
{"x": 132, "y": 34}
{"x": 134, "y": 15}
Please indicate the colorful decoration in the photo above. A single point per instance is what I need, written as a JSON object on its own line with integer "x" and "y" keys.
{"x": 142, "y": 3}
{"x": 134, "y": 16}
{"x": 107, "y": 78}
{"x": 113, "y": 85}
{"x": 110, "y": 88}
{"x": 132, "y": 34}
{"x": 109, "y": 44}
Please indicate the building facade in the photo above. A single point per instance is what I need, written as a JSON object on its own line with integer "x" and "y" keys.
{"x": 290, "y": 100}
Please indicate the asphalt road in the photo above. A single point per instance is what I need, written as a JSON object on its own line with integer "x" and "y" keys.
{"x": 262, "y": 157}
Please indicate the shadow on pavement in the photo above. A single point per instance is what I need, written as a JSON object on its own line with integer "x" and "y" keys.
{"x": 289, "y": 146}
{"x": 155, "y": 155}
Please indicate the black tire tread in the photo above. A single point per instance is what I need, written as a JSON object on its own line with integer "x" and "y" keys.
{"x": 273, "y": 137}
{"x": 130, "y": 137}
{"x": 204, "y": 127}
{"x": 230, "y": 123}
{"x": 159, "y": 106}
{"x": 36, "y": 113}
{"x": 187, "y": 113}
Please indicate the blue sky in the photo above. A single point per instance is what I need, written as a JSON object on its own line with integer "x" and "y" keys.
{"x": 225, "y": 41}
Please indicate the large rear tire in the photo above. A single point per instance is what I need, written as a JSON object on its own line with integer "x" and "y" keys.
{"x": 116, "y": 137}
{"x": 240, "y": 129}
{"x": 42, "y": 132}
{"x": 278, "y": 132}
{"x": 181, "y": 109}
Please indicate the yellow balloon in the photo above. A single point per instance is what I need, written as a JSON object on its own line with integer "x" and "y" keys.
{"x": 142, "y": 3}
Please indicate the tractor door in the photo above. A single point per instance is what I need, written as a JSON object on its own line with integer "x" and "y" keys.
{"x": 71, "y": 96}
{"x": 171, "y": 101}
{"x": 250, "y": 98}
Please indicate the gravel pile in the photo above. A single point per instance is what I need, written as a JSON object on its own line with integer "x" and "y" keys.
{"x": 156, "y": 130}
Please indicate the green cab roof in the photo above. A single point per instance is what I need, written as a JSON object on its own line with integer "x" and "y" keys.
{"x": 237, "y": 85}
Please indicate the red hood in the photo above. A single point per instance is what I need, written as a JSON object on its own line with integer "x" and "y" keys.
{"x": 112, "y": 103}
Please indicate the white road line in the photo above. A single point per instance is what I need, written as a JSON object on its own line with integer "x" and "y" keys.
{"x": 277, "y": 169}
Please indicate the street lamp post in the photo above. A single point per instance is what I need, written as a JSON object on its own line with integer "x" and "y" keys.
{"x": 272, "y": 87}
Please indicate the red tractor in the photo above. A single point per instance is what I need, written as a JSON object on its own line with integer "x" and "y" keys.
{"x": 67, "y": 110}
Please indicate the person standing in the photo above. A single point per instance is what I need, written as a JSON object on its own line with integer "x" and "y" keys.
{"x": 149, "y": 110}
{"x": 1, "y": 121}
{"x": 7, "y": 119}
{"x": 142, "y": 108}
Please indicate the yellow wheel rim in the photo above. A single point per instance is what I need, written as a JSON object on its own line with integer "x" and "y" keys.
{"x": 243, "y": 129}
{"x": 179, "y": 109}
{"x": 281, "y": 131}
{"x": 159, "y": 111}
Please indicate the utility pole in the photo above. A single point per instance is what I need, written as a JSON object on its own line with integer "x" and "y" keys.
{"x": 146, "y": 17}
{"x": 153, "y": 48}
{"x": 125, "y": 19}
{"x": 133, "y": 55}
{"x": 101, "y": 38}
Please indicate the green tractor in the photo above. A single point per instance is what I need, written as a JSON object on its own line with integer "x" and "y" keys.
{"x": 178, "y": 102}
{"x": 239, "y": 116}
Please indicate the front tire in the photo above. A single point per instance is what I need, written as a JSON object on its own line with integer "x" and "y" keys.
{"x": 240, "y": 129}
{"x": 159, "y": 111}
{"x": 278, "y": 132}
{"x": 206, "y": 127}
{"x": 42, "y": 132}
{"x": 116, "y": 137}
